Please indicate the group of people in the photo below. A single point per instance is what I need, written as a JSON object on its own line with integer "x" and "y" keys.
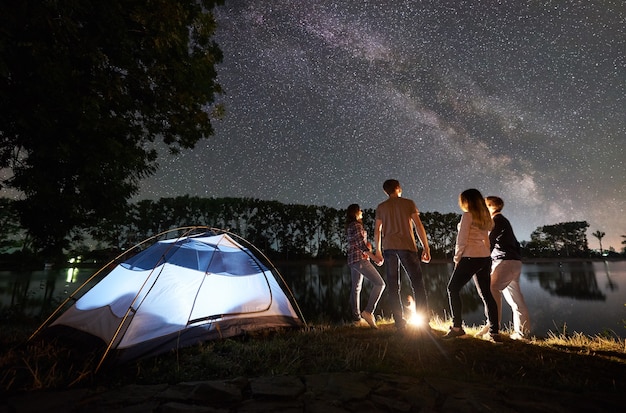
{"x": 486, "y": 251}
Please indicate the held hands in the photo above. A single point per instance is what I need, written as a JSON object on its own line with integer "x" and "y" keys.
{"x": 378, "y": 258}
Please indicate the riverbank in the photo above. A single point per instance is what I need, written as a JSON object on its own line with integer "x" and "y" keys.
{"x": 328, "y": 369}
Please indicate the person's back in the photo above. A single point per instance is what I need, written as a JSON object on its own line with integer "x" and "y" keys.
{"x": 471, "y": 241}
{"x": 472, "y": 261}
{"x": 506, "y": 269}
{"x": 504, "y": 244}
{"x": 397, "y": 229}
{"x": 396, "y": 220}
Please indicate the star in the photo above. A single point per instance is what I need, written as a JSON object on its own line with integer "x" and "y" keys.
{"x": 327, "y": 99}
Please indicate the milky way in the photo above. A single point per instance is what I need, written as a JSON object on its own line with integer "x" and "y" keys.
{"x": 327, "y": 99}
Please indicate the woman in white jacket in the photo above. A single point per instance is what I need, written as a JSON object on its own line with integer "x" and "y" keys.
{"x": 472, "y": 259}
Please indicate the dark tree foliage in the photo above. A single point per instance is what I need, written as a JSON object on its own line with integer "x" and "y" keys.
{"x": 11, "y": 233}
{"x": 441, "y": 230}
{"x": 566, "y": 239}
{"x": 599, "y": 235}
{"x": 282, "y": 231}
{"x": 87, "y": 89}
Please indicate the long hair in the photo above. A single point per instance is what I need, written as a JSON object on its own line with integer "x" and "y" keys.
{"x": 351, "y": 212}
{"x": 472, "y": 201}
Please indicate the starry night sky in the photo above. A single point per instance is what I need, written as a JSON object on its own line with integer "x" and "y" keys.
{"x": 524, "y": 99}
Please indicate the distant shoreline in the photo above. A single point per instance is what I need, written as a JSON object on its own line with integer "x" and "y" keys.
{"x": 530, "y": 260}
{"x": 324, "y": 262}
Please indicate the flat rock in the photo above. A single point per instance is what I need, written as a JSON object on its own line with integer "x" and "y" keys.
{"x": 316, "y": 393}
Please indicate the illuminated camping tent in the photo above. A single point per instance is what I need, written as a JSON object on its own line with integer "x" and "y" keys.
{"x": 180, "y": 292}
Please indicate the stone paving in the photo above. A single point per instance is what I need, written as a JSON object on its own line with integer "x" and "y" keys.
{"x": 317, "y": 393}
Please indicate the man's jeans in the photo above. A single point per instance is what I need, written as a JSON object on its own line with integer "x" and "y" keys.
{"x": 410, "y": 261}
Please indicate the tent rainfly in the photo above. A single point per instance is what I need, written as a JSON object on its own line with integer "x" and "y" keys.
{"x": 180, "y": 292}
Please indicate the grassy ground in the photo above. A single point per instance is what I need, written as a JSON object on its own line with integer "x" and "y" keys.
{"x": 569, "y": 363}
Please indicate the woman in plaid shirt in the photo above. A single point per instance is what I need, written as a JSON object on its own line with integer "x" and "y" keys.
{"x": 359, "y": 255}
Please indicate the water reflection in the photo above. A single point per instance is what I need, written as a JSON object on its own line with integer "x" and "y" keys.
{"x": 571, "y": 296}
{"x": 562, "y": 280}
{"x": 38, "y": 293}
{"x": 610, "y": 284}
{"x": 562, "y": 297}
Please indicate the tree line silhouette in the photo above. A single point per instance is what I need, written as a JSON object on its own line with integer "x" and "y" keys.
{"x": 281, "y": 231}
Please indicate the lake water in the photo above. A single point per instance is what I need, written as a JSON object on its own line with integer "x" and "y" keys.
{"x": 581, "y": 296}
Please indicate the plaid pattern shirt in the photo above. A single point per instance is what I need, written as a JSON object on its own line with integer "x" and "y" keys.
{"x": 357, "y": 242}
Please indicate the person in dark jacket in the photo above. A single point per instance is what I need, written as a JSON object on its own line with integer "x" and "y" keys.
{"x": 506, "y": 268}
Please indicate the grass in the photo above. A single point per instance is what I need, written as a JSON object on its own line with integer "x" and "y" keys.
{"x": 573, "y": 363}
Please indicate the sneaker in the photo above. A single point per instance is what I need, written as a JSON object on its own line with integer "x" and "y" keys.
{"x": 482, "y": 331}
{"x": 359, "y": 323}
{"x": 493, "y": 338}
{"x": 453, "y": 333}
{"x": 369, "y": 317}
{"x": 518, "y": 336}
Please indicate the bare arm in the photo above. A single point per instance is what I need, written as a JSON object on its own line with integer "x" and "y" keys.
{"x": 378, "y": 239}
{"x": 421, "y": 234}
